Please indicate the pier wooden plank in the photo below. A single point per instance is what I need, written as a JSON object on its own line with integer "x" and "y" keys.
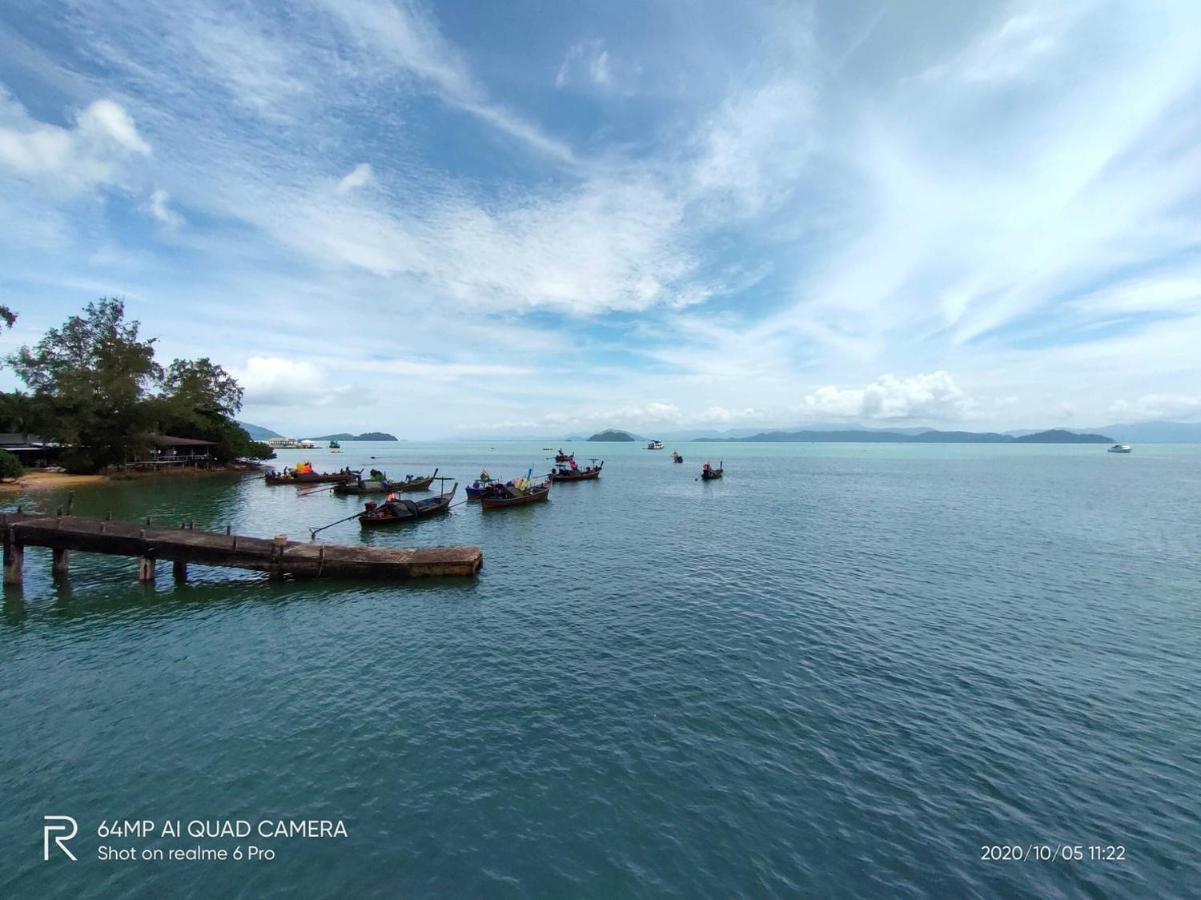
{"x": 184, "y": 546}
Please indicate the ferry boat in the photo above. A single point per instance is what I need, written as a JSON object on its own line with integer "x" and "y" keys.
{"x": 655, "y": 445}
{"x": 1120, "y": 448}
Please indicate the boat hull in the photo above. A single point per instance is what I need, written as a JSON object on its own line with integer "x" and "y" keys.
{"x": 587, "y": 475}
{"x": 535, "y": 496}
{"x": 316, "y": 478}
{"x": 406, "y": 511}
{"x": 385, "y": 487}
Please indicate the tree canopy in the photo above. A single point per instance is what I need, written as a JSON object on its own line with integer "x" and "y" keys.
{"x": 95, "y": 386}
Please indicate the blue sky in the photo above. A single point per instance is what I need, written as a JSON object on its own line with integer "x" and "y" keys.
{"x": 528, "y": 218}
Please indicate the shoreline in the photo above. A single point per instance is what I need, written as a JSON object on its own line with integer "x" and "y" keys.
{"x": 35, "y": 480}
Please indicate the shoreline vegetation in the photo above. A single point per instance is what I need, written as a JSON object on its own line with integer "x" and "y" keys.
{"x": 99, "y": 401}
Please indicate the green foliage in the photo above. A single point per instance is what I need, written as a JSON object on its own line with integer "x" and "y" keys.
{"x": 89, "y": 379}
{"x": 95, "y": 386}
{"x": 19, "y": 413}
{"x": 8, "y": 316}
{"x": 10, "y": 466}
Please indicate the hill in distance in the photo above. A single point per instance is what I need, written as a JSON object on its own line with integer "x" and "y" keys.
{"x": 612, "y": 434}
{"x": 258, "y": 432}
{"x": 365, "y": 436}
{"x": 849, "y": 436}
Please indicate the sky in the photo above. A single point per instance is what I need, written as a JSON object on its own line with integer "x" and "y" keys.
{"x": 498, "y": 219}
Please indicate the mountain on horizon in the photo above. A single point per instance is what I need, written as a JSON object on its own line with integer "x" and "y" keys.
{"x": 258, "y": 432}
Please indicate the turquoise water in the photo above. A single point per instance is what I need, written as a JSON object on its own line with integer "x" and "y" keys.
{"x": 842, "y": 670}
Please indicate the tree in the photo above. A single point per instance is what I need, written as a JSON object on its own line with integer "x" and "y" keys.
{"x": 89, "y": 381}
{"x": 199, "y": 400}
{"x": 8, "y": 316}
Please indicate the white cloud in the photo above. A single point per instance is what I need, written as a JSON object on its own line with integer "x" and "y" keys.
{"x": 586, "y": 61}
{"x": 160, "y": 209}
{"x": 278, "y": 381}
{"x": 1150, "y": 407}
{"x": 930, "y": 396}
{"x": 406, "y": 38}
{"x": 96, "y": 150}
{"x": 360, "y": 176}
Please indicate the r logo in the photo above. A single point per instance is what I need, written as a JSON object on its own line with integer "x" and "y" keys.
{"x": 54, "y": 825}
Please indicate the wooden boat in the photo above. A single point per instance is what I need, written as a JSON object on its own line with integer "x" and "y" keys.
{"x": 562, "y": 457}
{"x": 708, "y": 473}
{"x": 290, "y": 477}
{"x": 384, "y": 486}
{"x": 565, "y": 472}
{"x": 504, "y": 496}
{"x": 480, "y": 486}
{"x": 404, "y": 510}
{"x": 676, "y": 458}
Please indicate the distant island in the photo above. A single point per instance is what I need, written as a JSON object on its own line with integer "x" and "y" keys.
{"x": 365, "y": 436}
{"x": 1054, "y": 436}
{"x": 612, "y": 434}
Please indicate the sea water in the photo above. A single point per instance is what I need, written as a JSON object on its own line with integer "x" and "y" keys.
{"x": 842, "y": 670}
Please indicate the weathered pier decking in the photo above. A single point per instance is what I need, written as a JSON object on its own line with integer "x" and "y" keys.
{"x": 181, "y": 546}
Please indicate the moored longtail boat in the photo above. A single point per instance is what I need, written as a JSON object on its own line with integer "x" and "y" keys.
{"x": 571, "y": 472}
{"x": 516, "y": 493}
{"x": 308, "y": 476}
{"x": 676, "y": 458}
{"x": 405, "y": 510}
{"x": 481, "y": 485}
{"x": 384, "y": 486}
{"x": 562, "y": 457}
{"x": 708, "y": 473}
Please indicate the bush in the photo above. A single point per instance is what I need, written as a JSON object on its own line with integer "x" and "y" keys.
{"x": 10, "y": 466}
{"x": 259, "y": 450}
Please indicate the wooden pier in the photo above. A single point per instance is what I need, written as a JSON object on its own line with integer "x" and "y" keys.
{"x": 181, "y": 546}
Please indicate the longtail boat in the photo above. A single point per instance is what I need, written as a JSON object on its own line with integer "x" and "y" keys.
{"x": 562, "y": 457}
{"x": 404, "y": 510}
{"x": 571, "y": 472}
{"x": 676, "y": 458}
{"x": 384, "y": 486}
{"x": 504, "y": 496}
{"x": 290, "y": 477}
{"x": 480, "y": 486}
{"x": 708, "y": 473}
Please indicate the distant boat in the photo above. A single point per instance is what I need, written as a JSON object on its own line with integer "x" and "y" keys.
{"x": 334, "y": 445}
{"x": 1120, "y": 448}
{"x": 676, "y": 458}
{"x": 562, "y": 457}
{"x": 655, "y": 445}
{"x": 708, "y": 473}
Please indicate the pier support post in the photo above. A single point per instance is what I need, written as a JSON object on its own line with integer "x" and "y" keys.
{"x": 61, "y": 564}
{"x": 277, "y": 553}
{"x": 179, "y": 569}
{"x": 146, "y": 568}
{"x": 14, "y": 562}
